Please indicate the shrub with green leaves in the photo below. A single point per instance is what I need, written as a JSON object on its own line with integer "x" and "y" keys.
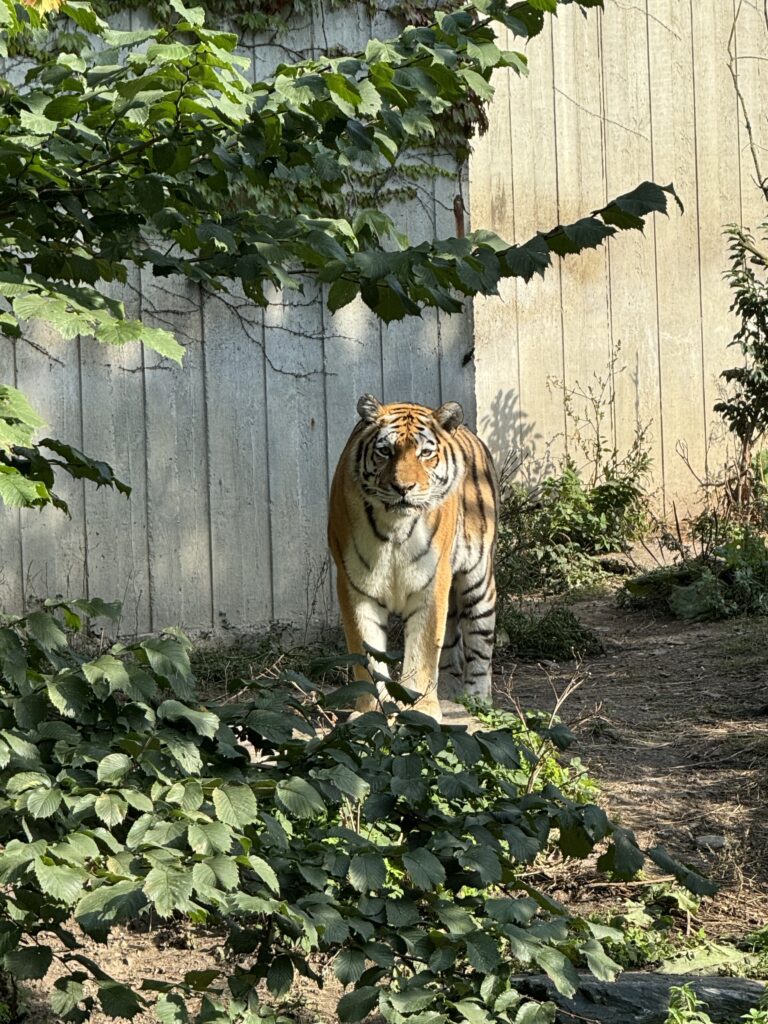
{"x": 555, "y": 634}
{"x": 718, "y": 583}
{"x": 549, "y": 536}
{"x": 394, "y": 846}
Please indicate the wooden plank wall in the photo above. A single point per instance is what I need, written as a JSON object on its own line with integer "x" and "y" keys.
{"x": 638, "y": 91}
{"x": 230, "y": 458}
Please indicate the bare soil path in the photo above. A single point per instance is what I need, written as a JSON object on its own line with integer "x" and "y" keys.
{"x": 673, "y": 723}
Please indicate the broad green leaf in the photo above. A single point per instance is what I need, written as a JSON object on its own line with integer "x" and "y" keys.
{"x": 357, "y": 1004}
{"x": 111, "y": 808}
{"x": 299, "y": 798}
{"x": 113, "y": 767}
{"x": 280, "y": 975}
{"x": 209, "y": 837}
{"x": 205, "y": 723}
{"x": 367, "y": 872}
{"x": 62, "y": 881}
{"x": 28, "y": 963}
{"x": 169, "y": 888}
{"x": 425, "y": 869}
{"x": 265, "y": 872}
{"x": 482, "y": 952}
{"x": 598, "y": 961}
{"x": 349, "y": 966}
{"x": 108, "y": 905}
{"x": 235, "y": 805}
{"x": 119, "y": 1000}
{"x": 43, "y": 802}
{"x": 107, "y": 667}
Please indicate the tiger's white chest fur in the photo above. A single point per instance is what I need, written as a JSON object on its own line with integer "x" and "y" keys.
{"x": 390, "y": 556}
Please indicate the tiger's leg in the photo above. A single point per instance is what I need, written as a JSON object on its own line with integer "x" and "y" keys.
{"x": 365, "y": 625}
{"x": 476, "y": 598}
{"x": 451, "y": 675}
{"x": 425, "y": 621}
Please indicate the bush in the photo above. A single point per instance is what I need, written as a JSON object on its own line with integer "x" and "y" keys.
{"x": 557, "y": 635}
{"x": 551, "y": 535}
{"x": 396, "y": 847}
{"x": 730, "y": 578}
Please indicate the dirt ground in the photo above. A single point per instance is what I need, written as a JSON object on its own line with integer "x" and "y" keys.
{"x": 672, "y": 720}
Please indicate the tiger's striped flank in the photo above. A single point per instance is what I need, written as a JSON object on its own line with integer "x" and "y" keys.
{"x": 412, "y": 530}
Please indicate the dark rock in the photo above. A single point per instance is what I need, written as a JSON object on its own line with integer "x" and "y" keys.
{"x": 642, "y": 998}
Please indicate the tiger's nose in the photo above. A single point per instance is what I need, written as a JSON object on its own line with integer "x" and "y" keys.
{"x": 402, "y": 489}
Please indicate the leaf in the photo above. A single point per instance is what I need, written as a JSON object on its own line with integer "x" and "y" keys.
{"x": 349, "y": 966}
{"x": 598, "y": 961}
{"x": 16, "y": 491}
{"x": 691, "y": 879}
{"x": 209, "y": 837}
{"x": 113, "y": 767}
{"x": 205, "y": 723}
{"x": 235, "y": 805}
{"x": 367, "y": 872}
{"x": 341, "y": 293}
{"x": 63, "y": 107}
{"x": 168, "y": 888}
{"x": 107, "y": 905}
{"x": 558, "y": 968}
{"x": 44, "y": 802}
{"x": 61, "y": 881}
{"x": 29, "y": 963}
{"x": 119, "y": 1000}
{"x": 357, "y": 1004}
{"x": 425, "y": 869}
{"x": 111, "y": 808}
{"x": 265, "y": 872}
{"x": 482, "y": 952}
{"x": 623, "y": 858}
{"x": 170, "y": 1008}
{"x": 299, "y": 798}
{"x": 46, "y": 630}
{"x": 280, "y": 975}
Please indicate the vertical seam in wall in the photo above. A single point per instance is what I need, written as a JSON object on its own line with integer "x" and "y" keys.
{"x": 86, "y": 569}
{"x": 267, "y": 466}
{"x": 656, "y": 264}
{"x": 608, "y": 273}
{"x": 207, "y": 436}
{"x": 738, "y": 114}
{"x": 698, "y": 246}
{"x": 327, "y": 432}
{"x": 520, "y": 426}
{"x": 147, "y": 502}
{"x": 438, "y": 326}
{"x": 559, "y": 220}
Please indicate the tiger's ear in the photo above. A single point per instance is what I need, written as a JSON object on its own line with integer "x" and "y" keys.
{"x": 369, "y": 408}
{"x": 449, "y": 416}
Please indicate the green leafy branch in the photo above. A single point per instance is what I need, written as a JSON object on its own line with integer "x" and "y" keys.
{"x": 396, "y": 849}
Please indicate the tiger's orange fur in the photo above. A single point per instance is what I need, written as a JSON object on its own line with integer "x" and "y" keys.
{"x": 412, "y": 530}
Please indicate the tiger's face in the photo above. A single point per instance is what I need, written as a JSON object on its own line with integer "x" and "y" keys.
{"x": 404, "y": 457}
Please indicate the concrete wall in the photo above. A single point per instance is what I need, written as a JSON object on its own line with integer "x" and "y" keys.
{"x": 230, "y": 457}
{"x": 641, "y": 91}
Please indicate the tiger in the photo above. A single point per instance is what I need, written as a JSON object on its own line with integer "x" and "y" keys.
{"x": 412, "y": 531}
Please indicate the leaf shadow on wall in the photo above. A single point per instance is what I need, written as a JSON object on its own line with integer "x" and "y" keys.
{"x": 511, "y": 435}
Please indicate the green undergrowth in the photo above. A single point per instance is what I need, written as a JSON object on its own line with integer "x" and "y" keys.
{"x": 555, "y": 634}
{"x": 226, "y": 667}
{"x": 686, "y": 1008}
{"x": 389, "y": 850}
{"x": 542, "y": 739}
{"x": 723, "y": 578}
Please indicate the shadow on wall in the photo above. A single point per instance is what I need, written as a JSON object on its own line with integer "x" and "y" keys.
{"x": 513, "y": 440}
